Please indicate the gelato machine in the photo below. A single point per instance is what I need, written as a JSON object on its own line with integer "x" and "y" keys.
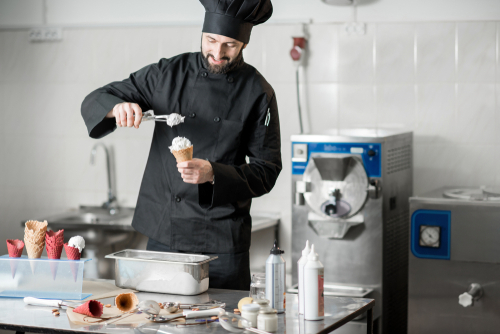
{"x": 454, "y": 261}
{"x": 350, "y": 199}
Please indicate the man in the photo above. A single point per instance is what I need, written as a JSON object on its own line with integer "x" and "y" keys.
{"x": 202, "y": 205}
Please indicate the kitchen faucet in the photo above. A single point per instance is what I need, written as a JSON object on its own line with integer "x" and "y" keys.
{"x": 112, "y": 203}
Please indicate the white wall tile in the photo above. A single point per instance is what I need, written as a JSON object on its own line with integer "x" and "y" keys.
{"x": 435, "y": 52}
{"x": 476, "y": 51}
{"x": 179, "y": 39}
{"x": 254, "y": 54}
{"x": 477, "y": 165}
{"x": 355, "y": 64}
{"x": 145, "y": 44}
{"x": 436, "y": 121}
{"x": 432, "y": 167}
{"x": 394, "y": 45}
{"x": 3, "y": 140}
{"x": 322, "y": 106}
{"x": 110, "y": 55}
{"x": 395, "y": 106}
{"x": 322, "y": 53}
{"x": 476, "y": 114}
{"x": 357, "y": 106}
{"x": 278, "y": 42}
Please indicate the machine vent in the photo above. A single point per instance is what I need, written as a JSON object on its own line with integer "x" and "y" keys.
{"x": 398, "y": 159}
{"x": 395, "y": 272}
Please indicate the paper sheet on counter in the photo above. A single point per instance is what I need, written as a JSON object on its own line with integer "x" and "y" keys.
{"x": 80, "y": 319}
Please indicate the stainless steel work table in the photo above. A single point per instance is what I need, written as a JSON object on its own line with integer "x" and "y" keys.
{"x": 16, "y": 316}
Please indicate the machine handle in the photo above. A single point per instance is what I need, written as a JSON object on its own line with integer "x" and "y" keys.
{"x": 474, "y": 293}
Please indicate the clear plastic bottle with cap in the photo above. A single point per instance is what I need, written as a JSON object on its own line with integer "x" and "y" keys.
{"x": 300, "y": 266}
{"x": 275, "y": 279}
{"x": 314, "y": 287}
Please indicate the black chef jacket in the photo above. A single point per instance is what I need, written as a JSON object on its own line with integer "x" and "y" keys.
{"x": 228, "y": 117}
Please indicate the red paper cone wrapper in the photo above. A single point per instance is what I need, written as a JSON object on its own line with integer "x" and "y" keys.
{"x": 15, "y": 247}
{"x": 71, "y": 252}
{"x": 92, "y": 308}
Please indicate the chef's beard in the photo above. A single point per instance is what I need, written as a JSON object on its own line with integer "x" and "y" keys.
{"x": 222, "y": 69}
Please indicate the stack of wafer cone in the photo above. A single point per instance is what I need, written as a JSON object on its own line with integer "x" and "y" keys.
{"x": 73, "y": 253}
{"x": 184, "y": 154}
{"x": 34, "y": 240}
{"x": 54, "y": 242}
{"x": 15, "y": 248}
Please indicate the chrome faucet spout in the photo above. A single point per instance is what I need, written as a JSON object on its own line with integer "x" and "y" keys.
{"x": 111, "y": 203}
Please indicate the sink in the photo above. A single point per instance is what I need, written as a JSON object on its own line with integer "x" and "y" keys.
{"x": 104, "y": 233}
{"x": 115, "y": 219}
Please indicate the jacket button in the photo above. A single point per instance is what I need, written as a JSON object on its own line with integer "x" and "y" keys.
{"x": 177, "y": 199}
{"x": 230, "y": 79}
{"x": 217, "y": 119}
{"x": 204, "y": 74}
{"x": 192, "y": 115}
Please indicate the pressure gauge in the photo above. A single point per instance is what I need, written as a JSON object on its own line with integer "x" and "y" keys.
{"x": 430, "y": 236}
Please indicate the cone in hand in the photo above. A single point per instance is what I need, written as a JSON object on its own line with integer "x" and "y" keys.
{"x": 15, "y": 248}
{"x": 184, "y": 154}
{"x": 92, "y": 308}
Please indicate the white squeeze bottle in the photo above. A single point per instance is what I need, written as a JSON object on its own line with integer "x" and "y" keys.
{"x": 300, "y": 266}
{"x": 313, "y": 282}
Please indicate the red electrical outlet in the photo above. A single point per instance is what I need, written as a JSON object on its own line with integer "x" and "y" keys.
{"x": 299, "y": 45}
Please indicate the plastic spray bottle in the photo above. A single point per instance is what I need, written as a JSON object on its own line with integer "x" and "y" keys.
{"x": 314, "y": 287}
{"x": 275, "y": 279}
{"x": 300, "y": 266}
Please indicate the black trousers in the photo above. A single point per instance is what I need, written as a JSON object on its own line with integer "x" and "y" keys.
{"x": 229, "y": 271}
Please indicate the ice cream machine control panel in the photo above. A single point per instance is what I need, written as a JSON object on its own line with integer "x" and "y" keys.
{"x": 369, "y": 152}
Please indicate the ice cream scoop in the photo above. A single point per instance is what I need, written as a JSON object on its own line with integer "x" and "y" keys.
{"x": 174, "y": 119}
{"x": 77, "y": 242}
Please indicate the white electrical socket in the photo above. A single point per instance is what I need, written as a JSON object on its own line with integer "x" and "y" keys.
{"x": 45, "y": 34}
{"x": 354, "y": 28}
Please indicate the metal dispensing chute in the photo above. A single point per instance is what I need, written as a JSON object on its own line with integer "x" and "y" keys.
{"x": 335, "y": 188}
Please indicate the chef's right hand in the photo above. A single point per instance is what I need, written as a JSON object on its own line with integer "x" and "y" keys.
{"x": 126, "y": 114}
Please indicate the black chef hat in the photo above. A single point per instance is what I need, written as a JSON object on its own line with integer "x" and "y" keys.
{"x": 235, "y": 18}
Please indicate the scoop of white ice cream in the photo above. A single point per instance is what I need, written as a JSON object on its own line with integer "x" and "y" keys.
{"x": 180, "y": 143}
{"x": 175, "y": 119}
{"x": 77, "y": 242}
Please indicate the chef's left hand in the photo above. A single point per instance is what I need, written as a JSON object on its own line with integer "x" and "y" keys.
{"x": 196, "y": 171}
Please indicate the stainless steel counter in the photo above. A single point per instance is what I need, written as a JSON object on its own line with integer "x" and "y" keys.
{"x": 16, "y": 316}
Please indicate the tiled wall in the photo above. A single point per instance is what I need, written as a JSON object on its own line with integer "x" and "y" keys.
{"x": 439, "y": 79}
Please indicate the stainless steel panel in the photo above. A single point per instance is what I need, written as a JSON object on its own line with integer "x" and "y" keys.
{"x": 183, "y": 274}
{"x": 434, "y": 287}
{"x": 475, "y": 228}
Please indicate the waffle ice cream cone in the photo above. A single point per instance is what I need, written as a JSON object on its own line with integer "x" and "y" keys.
{"x": 15, "y": 248}
{"x": 183, "y": 155}
{"x": 126, "y": 302}
{"x": 54, "y": 242}
{"x": 182, "y": 149}
{"x": 92, "y": 308}
{"x": 73, "y": 253}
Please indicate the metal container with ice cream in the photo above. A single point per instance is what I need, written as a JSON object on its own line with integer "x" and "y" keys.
{"x": 174, "y": 273}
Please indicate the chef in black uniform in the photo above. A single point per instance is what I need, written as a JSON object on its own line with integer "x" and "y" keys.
{"x": 202, "y": 206}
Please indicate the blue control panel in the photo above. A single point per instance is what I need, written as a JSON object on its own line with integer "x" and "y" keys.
{"x": 439, "y": 219}
{"x": 369, "y": 152}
